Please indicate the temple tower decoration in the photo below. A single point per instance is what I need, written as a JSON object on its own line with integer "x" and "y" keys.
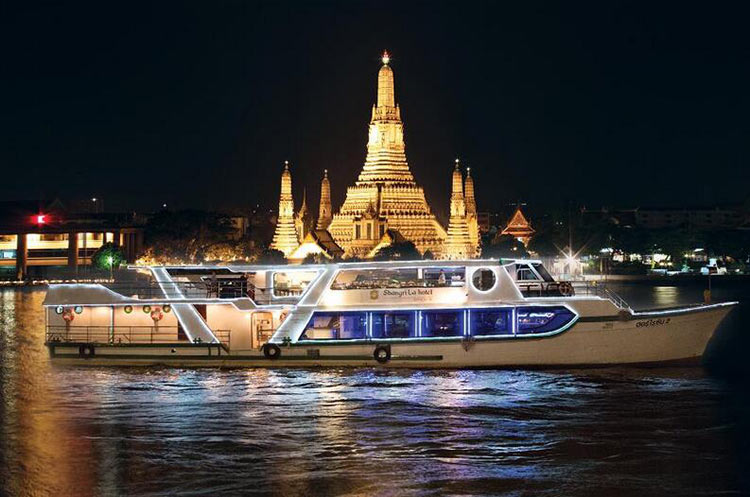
{"x": 303, "y": 221}
{"x": 458, "y": 244}
{"x": 285, "y": 237}
{"x": 325, "y": 211}
{"x": 385, "y": 196}
{"x": 471, "y": 212}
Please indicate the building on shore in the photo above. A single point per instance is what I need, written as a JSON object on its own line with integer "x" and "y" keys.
{"x": 52, "y": 235}
{"x": 519, "y": 227}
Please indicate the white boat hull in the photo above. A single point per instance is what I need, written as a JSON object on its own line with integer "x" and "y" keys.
{"x": 644, "y": 338}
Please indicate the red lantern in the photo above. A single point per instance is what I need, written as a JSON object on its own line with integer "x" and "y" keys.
{"x": 68, "y": 315}
{"x": 156, "y": 315}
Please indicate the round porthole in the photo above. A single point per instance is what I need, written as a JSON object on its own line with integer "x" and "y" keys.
{"x": 147, "y": 309}
{"x": 128, "y": 309}
{"x": 78, "y": 309}
{"x": 484, "y": 279}
{"x": 59, "y": 309}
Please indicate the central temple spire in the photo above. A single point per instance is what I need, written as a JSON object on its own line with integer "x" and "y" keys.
{"x": 385, "y": 196}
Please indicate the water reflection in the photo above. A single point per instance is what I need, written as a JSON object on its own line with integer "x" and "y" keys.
{"x": 151, "y": 431}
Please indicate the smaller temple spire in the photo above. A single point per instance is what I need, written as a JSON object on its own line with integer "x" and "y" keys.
{"x": 386, "y": 57}
{"x": 458, "y": 243}
{"x": 285, "y": 237}
{"x": 471, "y": 211}
{"x": 325, "y": 210}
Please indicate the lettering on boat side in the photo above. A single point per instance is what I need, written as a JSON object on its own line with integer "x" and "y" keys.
{"x": 652, "y": 322}
{"x": 408, "y": 292}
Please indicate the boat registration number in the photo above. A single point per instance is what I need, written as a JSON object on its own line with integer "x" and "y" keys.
{"x": 652, "y": 322}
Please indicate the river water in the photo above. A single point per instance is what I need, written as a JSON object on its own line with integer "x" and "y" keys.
{"x": 364, "y": 432}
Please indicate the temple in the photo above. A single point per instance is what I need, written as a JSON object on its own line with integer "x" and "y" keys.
{"x": 385, "y": 206}
{"x": 519, "y": 227}
{"x": 285, "y": 238}
{"x": 386, "y": 196}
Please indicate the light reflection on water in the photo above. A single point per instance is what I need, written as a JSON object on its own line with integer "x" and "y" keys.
{"x": 151, "y": 431}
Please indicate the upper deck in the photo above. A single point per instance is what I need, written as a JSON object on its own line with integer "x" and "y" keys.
{"x": 343, "y": 285}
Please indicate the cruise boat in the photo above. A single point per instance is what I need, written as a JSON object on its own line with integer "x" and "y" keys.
{"x": 420, "y": 314}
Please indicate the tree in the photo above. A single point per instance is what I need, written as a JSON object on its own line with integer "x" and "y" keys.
{"x": 315, "y": 259}
{"x": 403, "y": 251}
{"x": 505, "y": 247}
{"x": 272, "y": 256}
{"x": 184, "y": 236}
{"x": 543, "y": 245}
{"x": 107, "y": 257}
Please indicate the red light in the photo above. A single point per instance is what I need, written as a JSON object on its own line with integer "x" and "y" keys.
{"x": 41, "y": 219}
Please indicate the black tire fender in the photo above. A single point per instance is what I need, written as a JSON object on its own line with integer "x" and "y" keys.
{"x": 86, "y": 351}
{"x": 271, "y": 351}
{"x": 382, "y": 353}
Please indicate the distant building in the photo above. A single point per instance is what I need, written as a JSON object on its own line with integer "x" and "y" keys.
{"x": 54, "y": 236}
{"x": 519, "y": 227}
{"x": 700, "y": 218}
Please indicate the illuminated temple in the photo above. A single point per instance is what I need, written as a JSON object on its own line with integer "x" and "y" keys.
{"x": 385, "y": 196}
{"x": 385, "y": 205}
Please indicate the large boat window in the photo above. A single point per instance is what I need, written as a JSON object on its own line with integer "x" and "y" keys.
{"x": 442, "y": 323}
{"x": 532, "y": 320}
{"x": 525, "y": 273}
{"x": 291, "y": 283}
{"x": 543, "y": 271}
{"x": 357, "y": 279}
{"x": 485, "y": 322}
{"x": 336, "y": 326}
{"x": 394, "y": 324}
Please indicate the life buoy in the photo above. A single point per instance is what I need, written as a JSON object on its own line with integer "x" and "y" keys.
{"x": 271, "y": 351}
{"x": 157, "y": 315}
{"x": 68, "y": 315}
{"x": 86, "y": 351}
{"x": 566, "y": 289}
{"x": 382, "y": 353}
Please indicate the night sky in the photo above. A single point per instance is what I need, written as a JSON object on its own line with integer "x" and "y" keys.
{"x": 198, "y": 104}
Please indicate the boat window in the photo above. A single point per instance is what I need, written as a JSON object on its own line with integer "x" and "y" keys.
{"x": 357, "y": 279}
{"x": 524, "y": 273}
{"x": 532, "y": 320}
{"x": 291, "y": 283}
{"x": 485, "y": 322}
{"x": 394, "y": 324}
{"x": 336, "y": 326}
{"x": 484, "y": 279}
{"x": 442, "y": 323}
{"x": 543, "y": 271}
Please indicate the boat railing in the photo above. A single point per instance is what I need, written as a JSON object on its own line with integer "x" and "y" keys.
{"x": 187, "y": 289}
{"x": 124, "y": 335}
{"x": 599, "y": 289}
